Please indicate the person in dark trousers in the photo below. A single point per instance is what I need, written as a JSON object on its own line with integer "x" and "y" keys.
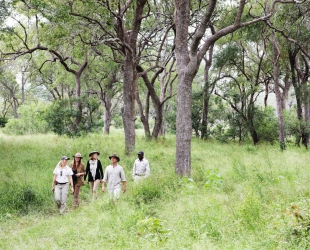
{"x": 94, "y": 172}
{"x": 78, "y": 169}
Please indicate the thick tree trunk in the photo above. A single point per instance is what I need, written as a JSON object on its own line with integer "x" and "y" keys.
{"x": 184, "y": 91}
{"x": 128, "y": 110}
{"x": 183, "y": 125}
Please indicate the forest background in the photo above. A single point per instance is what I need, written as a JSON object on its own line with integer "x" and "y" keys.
{"x": 188, "y": 82}
{"x": 75, "y": 67}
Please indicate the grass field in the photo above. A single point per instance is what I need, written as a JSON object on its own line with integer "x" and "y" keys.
{"x": 238, "y": 197}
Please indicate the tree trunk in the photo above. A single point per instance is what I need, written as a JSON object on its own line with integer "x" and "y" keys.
{"x": 78, "y": 118}
{"x": 277, "y": 92}
{"x": 128, "y": 110}
{"x": 184, "y": 90}
{"x": 107, "y": 115}
{"x": 207, "y": 91}
{"x": 144, "y": 118}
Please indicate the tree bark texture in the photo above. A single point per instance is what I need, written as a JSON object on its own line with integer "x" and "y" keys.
{"x": 277, "y": 92}
{"x": 184, "y": 97}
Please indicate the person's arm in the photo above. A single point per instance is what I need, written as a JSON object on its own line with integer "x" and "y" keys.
{"x": 134, "y": 170}
{"x": 87, "y": 170}
{"x": 123, "y": 178}
{"x": 104, "y": 180}
{"x": 147, "y": 170}
{"x": 100, "y": 170}
{"x": 103, "y": 186}
{"x": 54, "y": 182}
{"x": 71, "y": 183}
{"x": 82, "y": 171}
{"x": 124, "y": 186}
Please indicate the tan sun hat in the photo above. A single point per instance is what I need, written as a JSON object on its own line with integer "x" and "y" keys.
{"x": 115, "y": 156}
{"x": 94, "y": 152}
{"x": 78, "y": 155}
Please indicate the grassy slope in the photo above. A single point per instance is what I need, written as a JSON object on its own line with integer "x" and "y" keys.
{"x": 249, "y": 210}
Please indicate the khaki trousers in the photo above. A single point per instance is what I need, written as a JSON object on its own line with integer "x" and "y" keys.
{"x": 61, "y": 195}
{"x": 93, "y": 187}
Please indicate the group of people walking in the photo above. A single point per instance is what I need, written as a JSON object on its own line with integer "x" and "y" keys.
{"x": 75, "y": 175}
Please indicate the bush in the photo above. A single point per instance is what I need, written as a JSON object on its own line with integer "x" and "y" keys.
{"x": 20, "y": 200}
{"x": 30, "y": 121}
{"x": 266, "y": 124}
{"x": 3, "y": 121}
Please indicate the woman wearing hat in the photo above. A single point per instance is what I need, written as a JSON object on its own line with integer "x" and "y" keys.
{"x": 62, "y": 177}
{"x": 78, "y": 169}
{"x": 94, "y": 172}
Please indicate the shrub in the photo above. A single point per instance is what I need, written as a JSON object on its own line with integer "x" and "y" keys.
{"x": 3, "y": 121}
{"x": 213, "y": 179}
{"x": 266, "y": 124}
{"x": 146, "y": 191}
{"x": 30, "y": 121}
{"x": 20, "y": 200}
{"x": 152, "y": 228}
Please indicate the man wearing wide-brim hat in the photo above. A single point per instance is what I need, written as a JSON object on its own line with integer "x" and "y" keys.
{"x": 114, "y": 174}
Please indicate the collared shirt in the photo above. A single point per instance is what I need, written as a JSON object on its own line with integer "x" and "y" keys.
{"x": 141, "y": 168}
{"x": 62, "y": 173}
{"x": 114, "y": 176}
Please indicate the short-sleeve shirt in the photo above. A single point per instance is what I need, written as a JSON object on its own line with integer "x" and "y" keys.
{"x": 114, "y": 176}
{"x": 62, "y": 173}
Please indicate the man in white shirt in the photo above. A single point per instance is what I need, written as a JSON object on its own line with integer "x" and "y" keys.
{"x": 114, "y": 174}
{"x": 141, "y": 168}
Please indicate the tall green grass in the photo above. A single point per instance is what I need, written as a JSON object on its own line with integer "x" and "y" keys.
{"x": 238, "y": 197}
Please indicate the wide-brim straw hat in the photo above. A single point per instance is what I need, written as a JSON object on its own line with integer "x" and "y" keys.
{"x": 78, "y": 155}
{"x": 115, "y": 156}
{"x": 94, "y": 152}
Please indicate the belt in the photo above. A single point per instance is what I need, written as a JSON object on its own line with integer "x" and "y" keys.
{"x": 58, "y": 183}
{"x": 140, "y": 174}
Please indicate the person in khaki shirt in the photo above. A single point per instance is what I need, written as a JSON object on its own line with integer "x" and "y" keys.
{"x": 114, "y": 174}
{"x": 141, "y": 168}
{"x": 78, "y": 169}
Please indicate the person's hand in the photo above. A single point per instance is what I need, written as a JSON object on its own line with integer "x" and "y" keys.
{"x": 72, "y": 190}
{"x": 103, "y": 189}
{"x": 124, "y": 190}
{"x": 53, "y": 189}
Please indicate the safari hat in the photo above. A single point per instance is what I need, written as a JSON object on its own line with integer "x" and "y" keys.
{"x": 64, "y": 158}
{"x": 78, "y": 155}
{"x": 115, "y": 156}
{"x": 94, "y": 152}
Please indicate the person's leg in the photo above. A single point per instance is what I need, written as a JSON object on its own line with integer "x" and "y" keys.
{"x": 57, "y": 196}
{"x": 91, "y": 185}
{"x": 137, "y": 178}
{"x": 64, "y": 195}
{"x": 95, "y": 187}
{"x": 116, "y": 195}
{"x": 76, "y": 195}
